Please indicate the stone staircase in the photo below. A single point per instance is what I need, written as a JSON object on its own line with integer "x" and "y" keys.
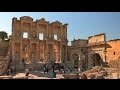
{"x": 30, "y": 66}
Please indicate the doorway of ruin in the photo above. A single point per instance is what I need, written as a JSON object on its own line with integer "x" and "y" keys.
{"x": 25, "y": 50}
{"x": 96, "y": 60}
{"x": 76, "y": 58}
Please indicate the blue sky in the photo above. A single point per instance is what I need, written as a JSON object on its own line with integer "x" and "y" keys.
{"x": 81, "y": 25}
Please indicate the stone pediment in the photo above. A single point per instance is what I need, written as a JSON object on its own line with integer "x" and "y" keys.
{"x": 26, "y": 18}
{"x": 42, "y": 21}
{"x": 96, "y": 43}
{"x": 65, "y": 24}
{"x": 57, "y": 23}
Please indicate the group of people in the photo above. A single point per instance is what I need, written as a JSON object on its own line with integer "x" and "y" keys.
{"x": 56, "y": 68}
{"x": 45, "y": 67}
{"x": 11, "y": 70}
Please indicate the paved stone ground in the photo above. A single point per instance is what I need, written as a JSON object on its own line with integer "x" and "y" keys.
{"x": 34, "y": 74}
{"x": 37, "y": 74}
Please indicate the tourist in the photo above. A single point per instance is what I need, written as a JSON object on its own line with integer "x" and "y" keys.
{"x": 54, "y": 73}
{"x": 23, "y": 62}
{"x": 8, "y": 71}
{"x": 77, "y": 76}
{"x": 14, "y": 69}
{"x": 44, "y": 69}
{"x": 27, "y": 73}
{"x": 47, "y": 69}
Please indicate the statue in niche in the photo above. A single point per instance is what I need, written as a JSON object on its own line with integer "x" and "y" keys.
{"x": 17, "y": 34}
{"x": 25, "y": 48}
{"x": 34, "y": 34}
{"x": 41, "y": 59}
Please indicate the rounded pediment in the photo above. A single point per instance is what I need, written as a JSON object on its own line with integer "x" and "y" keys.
{"x": 42, "y": 21}
{"x": 57, "y": 23}
{"x": 26, "y": 18}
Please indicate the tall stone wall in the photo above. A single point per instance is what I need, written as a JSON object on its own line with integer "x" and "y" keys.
{"x": 113, "y": 50}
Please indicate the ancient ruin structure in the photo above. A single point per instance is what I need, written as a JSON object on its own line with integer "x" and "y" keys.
{"x": 113, "y": 50}
{"x": 88, "y": 53}
{"x": 78, "y": 54}
{"x": 35, "y": 42}
{"x": 38, "y": 41}
{"x": 94, "y": 51}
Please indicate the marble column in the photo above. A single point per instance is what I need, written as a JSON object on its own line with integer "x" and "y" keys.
{"x": 36, "y": 52}
{"x": 65, "y": 52}
{"x": 60, "y": 52}
{"x": 46, "y": 39}
{"x": 46, "y": 54}
{"x": 53, "y": 51}
{"x": 13, "y": 54}
{"x": 21, "y": 44}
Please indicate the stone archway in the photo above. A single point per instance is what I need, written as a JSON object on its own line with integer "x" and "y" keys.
{"x": 76, "y": 58}
{"x": 96, "y": 59}
{"x": 79, "y": 60}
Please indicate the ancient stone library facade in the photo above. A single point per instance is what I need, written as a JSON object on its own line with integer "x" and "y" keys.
{"x": 42, "y": 41}
{"x": 38, "y": 41}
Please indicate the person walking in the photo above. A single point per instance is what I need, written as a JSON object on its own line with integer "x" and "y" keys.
{"x": 27, "y": 73}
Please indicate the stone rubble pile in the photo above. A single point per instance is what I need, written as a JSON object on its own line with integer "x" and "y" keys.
{"x": 97, "y": 73}
{"x": 102, "y": 73}
{"x": 114, "y": 63}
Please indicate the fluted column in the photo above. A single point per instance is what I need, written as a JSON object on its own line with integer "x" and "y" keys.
{"x": 13, "y": 54}
{"x": 53, "y": 52}
{"x": 46, "y": 40}
{"x": 36, "y": 52}
{"x": 46, "y": 54}
{"x": 60, "y": 52}
{"x": 21, "y": 39}
{"x": 66, "y": 53}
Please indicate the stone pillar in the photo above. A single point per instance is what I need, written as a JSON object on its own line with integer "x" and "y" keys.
{"x": 61, "y": 31}
{"x": 46, "y": 40}
{"x": 37, "y": 36}
{"x": 46, "y": 54}
{"x": 47, "y": 31}
{"x": 36, "y": 52}
{"x": 66, "y": 53}
{"x": 30, "y": 52}
{"x": 13, "y": 54}
{"x": 21, "y": 44}
{"x": 105, "y": 48}
{"x": 60, "y": 52}
{"x": 61, "y": 38}
{"x": 104, "y": 52}
{"x": 53, "y": 52}
{"x": 30, "y": 37}
{"x": 90, "y": 62}
{"x": 20, "y": 52}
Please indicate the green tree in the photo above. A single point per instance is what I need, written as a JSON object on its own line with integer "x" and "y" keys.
{"x": 3, "y": 35}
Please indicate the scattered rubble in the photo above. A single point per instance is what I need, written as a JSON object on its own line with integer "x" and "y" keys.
{"x": 96, "y": 72}
{"x": 114, "y": 63}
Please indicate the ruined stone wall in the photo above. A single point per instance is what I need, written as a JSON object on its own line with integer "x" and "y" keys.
{"x": 113, "y": 50}
{"x": 96, "y": 45}
{"x": 80, "y": 43}
{"x": 78, "y": 54}
{"x": 97, "y": 38}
